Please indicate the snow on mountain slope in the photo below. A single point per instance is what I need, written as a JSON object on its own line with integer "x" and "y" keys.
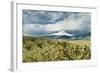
{"x": 61, "y": 33}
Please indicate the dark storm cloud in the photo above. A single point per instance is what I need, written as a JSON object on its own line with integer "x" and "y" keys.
{"x": 38, "y": 22}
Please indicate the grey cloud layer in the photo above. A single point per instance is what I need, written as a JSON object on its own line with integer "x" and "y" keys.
{"x": 44, "y": 22}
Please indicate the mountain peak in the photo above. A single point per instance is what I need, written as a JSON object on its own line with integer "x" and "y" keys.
{"x": 62, "y": 33}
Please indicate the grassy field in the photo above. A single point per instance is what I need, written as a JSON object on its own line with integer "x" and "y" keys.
{"x": 44, "y": 49}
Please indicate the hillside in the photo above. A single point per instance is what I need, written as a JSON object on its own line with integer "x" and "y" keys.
{"x": 36, "y": 49}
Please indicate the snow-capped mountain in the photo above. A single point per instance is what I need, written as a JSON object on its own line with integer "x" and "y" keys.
{"x": 62, "y": 33}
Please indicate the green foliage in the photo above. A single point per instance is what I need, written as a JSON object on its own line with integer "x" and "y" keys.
{"x": 43, "y": 49}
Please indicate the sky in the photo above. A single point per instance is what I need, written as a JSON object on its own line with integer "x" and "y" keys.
{"x": 39, "y": 22}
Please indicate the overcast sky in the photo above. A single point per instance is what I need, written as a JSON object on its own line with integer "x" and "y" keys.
{"x": 38, "y": 22}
